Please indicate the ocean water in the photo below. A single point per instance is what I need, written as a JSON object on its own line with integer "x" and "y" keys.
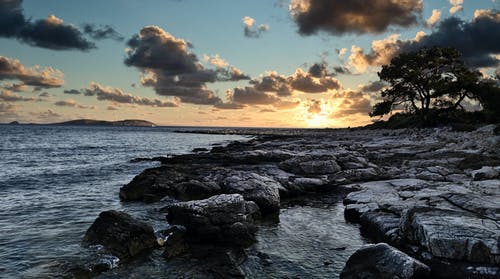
{"x": 55, "y": 180}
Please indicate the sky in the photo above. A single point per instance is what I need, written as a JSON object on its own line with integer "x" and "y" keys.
{"x": 260, "y": 63}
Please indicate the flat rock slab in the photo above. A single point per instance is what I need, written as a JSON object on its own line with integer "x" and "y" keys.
{"x": 121, "y": 234}
{"x": 383, "y": 262}
{"x": 453, "y": 235}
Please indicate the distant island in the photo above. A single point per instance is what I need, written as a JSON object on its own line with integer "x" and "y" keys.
{"x": 126, "y": 122}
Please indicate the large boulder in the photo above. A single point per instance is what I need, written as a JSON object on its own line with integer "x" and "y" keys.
{"x": 225, "y": 219}
{"x": 453, "y": 235}
{"x": 121, "y": 234}
{"x": 262, "y": 190}
{"x": 382, "y": 261}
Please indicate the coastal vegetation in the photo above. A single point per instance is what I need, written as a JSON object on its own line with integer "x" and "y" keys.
{"x": 434, "y": 87}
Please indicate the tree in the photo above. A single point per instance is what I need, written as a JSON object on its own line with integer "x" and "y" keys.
{"x": 425, "y": 79}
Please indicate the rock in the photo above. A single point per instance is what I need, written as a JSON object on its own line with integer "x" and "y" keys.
{"x": 175, "y": 243}
{"x": 485, "y": 173}
{"x": 431, "y": 176}
{"x": 121, "y": 234}
{"x": 311, "y": 165}
{"x": 199, "y": 149}
{"x": 383, "y": 261}
{"x": 453, "y": 235}
{"x": 262, "y": 190}
{"x": 225, "y": 219}
{"x": 177, "y": 182}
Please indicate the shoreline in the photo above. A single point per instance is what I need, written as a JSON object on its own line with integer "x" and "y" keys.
{"x": 413, "y": 189}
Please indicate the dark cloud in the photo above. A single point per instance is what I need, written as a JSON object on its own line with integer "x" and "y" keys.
{"x": 251, "y": 96}
{"x": 73, "y": 104}
{"x": 316, "y": 80}
{"x": 318, "y": 70}
{"x": 172, "y": 70}
{"x": 374, "y": 86}
{"x": 475, "y": 39}
{"x": 341, "y": 70}
{"x": 355, "y": 16}
{"x": 273, "y": 82}
{"x": 72, "y": 91}
{"x": 304, "y": 82}
{"x": 112, "y": 107}
{"x": 12, "y": 69}
{"x": 118, "y": 96}
{"x": 102, "y": 32}
{"x": 250, "y": 30}
{"x": 44, "y": 95}
{"x": 51, "y": 32}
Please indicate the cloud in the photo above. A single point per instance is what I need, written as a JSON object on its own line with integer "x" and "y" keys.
{"x": 351, "y": 103}
{"x": 273, "y": 82}
{"x": 231, "y": 73}
{"x": 381, "y": 53}
{"x": 374, "y": 86}
{"x": 102, "y": 32}
{"x": 252, "y": 31}
{"x": 45, "y": 95}
{"x": 251, "y": 96}
{"x": 8, "y": 96}
{"x": 110, "y": 107}
{"x": 475, "y": 39}
{"x": 316, "y": 80}
{"x": 16, "y": 87}
{"x": 47, "y": 116}
{"x": 51, "y": 32}
{"x": 8, "y": 112}
{"x": 456, "y": 6}
{"x": 171, "y": 69}
{"x": 12, "y": 69}
{"x": 434, "y": 18}
{"x": 72, "y": 91}
{"x": 116, "y": 95}
{"x": 308, "y": 83}
{"x": 72, "y": 103}
{"x": 339, "y": 17}
{"x": 314, "y": 106}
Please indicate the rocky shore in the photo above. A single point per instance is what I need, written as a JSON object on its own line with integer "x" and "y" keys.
{"x": 430, "y": 199}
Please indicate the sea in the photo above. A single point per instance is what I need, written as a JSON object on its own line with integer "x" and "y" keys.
{"x": 55, "y": 180}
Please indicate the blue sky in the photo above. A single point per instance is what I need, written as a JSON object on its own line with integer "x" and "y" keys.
{"x": 213, "y": 28}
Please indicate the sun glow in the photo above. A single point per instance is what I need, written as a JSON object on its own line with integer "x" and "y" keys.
{"x": 317, "y": 121}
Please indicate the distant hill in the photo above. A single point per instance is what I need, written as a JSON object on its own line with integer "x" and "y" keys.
{"x": 127, "y": 122}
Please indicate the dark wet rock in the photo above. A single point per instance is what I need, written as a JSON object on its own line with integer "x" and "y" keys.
{"x": 383, "y": 261}
{"x": 178, "y": 182}
{"x": 381, "y": 226}
{"x": 477, "y": 161}
{"x": 453, "y": 235}
{"x": 486, "y": 173}
{"x": 262, "y": 190}
{"x": 121, "y": 234}
{"x": 175, "y": 243}
{"x": 160, "y": 159}
{"x": 226, "y": 219}
{"x": 309, "y": 164}
{"x": 200, "y": 149}
{"x": 483, "y": 205}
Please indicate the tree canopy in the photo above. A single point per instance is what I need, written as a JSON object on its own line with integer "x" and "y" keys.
{"x": 426, "y": 79}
